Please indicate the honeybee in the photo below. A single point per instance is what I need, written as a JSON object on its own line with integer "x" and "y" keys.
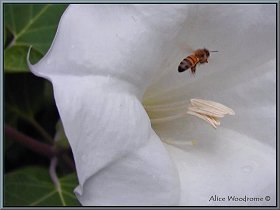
{"x": 198, "y": 56}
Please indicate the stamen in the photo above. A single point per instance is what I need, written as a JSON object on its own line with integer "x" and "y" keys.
{"x": 167, "y": 119}
{"x": 166, "y": 107}
{"x": 209, "y": 111}
{"x": 213, "y": 106}
{"x": 179, "y": 143}
{"x": 203, "y": 117}
{"x": 204, "y": 111}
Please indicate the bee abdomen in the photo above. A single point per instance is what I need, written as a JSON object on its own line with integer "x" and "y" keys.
{"x": 184, "y": 65}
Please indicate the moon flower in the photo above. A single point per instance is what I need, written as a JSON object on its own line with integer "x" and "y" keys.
{"x": 114, "y": 72}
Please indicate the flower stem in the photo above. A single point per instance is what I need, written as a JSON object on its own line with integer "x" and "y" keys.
{"x": 52, "y": 171}
{"x": 55, "y": 180}
{"x": 29, "y": 142}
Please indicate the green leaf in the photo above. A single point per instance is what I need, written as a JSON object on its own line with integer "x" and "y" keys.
{"x": 30, "y": 24}
{"x": 28, "y": 108}
{"x": 8, "y": 37}
{"x": 32, "y": 186}
{"x": 15, "y": 58}
{"x": 23, "y": 94}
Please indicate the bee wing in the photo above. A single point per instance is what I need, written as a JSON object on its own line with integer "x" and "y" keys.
{"x": 189, "y": 48}
{"x": 186, "y": 48}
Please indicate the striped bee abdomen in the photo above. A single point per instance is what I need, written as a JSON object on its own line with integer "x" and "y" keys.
{"x": 187, "y": 63}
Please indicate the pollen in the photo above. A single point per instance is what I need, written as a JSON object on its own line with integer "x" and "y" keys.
{"x": 206, "y": 110}
{"x": 209, "y": 111}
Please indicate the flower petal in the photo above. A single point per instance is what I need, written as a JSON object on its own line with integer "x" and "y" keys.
{"x": 252, "y": 97}
{"x": 100, "y": 71}
{"x": 119, "y": 158}
{"x": 100, "y": 63}
{"x": 129, "y": 42}
{"x": 242, "y": 75}
{"x": 244, "y": 35}
{"x": 232, "y": 165}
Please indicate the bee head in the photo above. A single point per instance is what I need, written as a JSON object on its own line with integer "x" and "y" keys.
{"x": 207, "y": 53}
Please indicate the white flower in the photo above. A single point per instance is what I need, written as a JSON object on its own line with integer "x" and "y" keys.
{"x": 107, "y": 61}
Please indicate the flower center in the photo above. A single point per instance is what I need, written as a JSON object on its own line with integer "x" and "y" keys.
{"x": 163, "y": 113}
{"x": 208, "y": 111}
{"x": 167, "y": 112}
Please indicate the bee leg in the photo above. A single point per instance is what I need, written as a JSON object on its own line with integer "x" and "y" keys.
{"x": 193, "y": 69}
